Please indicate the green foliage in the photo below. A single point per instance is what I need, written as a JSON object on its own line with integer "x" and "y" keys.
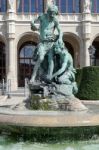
{"x": 78, "y": 76}
{"x": 89, "y": 86}
{"x": 49, "y": 135}
{"x": 36, "y": 104}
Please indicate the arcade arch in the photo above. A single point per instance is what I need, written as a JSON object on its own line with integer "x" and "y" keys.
{"x": 73, "y": 46}
{"x": 26, "y": 47}
{"x": 95, "y": 43}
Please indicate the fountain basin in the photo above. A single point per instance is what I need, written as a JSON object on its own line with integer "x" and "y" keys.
{"x": 51, "y": 118}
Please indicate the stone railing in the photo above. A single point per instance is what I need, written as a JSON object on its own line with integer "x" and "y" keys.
{"x": 95, "y": 17}
{"x": 62, "y": 17}
{"x": 70, "y": 17}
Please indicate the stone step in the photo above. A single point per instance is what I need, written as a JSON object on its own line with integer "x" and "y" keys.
{"x": 19, "y": 92}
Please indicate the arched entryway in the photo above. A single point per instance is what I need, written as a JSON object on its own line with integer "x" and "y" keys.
{"x": 72, "y": 44}
{"x": 2, "y": 62}
{"x": 96, "y": 55}
{"x": 70, "y": 48}
{"x": 25, "y": 61}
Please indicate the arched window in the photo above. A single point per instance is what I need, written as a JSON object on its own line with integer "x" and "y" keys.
{"x": 70, "y": 49}
{"x": 26, "y": 62}
{"x": 96, "y": 55}
{"x": 30, "y": 6}
{"x": 68, "y": 6}
{"x": 3, "y": 5}
{"x": 2, "y": 62}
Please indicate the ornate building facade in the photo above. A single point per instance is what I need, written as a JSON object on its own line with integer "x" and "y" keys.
{"x": 79, "y": 21}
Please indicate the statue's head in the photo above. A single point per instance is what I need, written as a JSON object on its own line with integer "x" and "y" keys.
{"x": 52, "y": 10}
{"x": 59, "y": 47}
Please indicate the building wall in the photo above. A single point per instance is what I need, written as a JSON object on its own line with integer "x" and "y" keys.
{"x": 80, "y": 30}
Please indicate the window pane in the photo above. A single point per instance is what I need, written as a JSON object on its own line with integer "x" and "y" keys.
{"x": 33, "y": 6}
{"x": 3, "y": 5}
{"x": 36, "y": 5}
{"x": 29, "y": 51}
{"x": 19, "y": 5}
{"x": 70, "y": 6}
{"x": 63, "y": 6}
{"x": 77, "y": 6}
{"x": 97, "y": 6}
{"x": 26, "y": 62}
{"x": 92, "y": 6}
{"x": 26, "y": 5}
{"x": 57, "y": 3}
{"x": 40, "y": 6}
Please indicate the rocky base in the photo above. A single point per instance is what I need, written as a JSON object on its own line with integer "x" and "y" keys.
{"x": 54, "y": 97}
{"x": 72, "y": 104}
{"x": 67, "y": 104}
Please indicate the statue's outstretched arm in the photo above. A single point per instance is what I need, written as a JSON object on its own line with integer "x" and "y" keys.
{"x": 33, "y": 26}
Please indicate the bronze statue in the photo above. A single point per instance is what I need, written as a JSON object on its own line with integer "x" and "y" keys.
{"x": 48, "y": 25}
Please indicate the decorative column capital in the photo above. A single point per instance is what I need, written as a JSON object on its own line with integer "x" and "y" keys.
{"x": 11, "y": 36}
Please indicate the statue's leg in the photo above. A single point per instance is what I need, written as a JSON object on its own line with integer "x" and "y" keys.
{"x": 50, "y": 63}
{"x": 41, "y": 53}
{"x": 64, "y": 79}
{"x": 36, "y": 67}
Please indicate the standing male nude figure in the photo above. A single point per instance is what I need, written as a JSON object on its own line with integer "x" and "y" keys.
{"x": 48, "y": 25}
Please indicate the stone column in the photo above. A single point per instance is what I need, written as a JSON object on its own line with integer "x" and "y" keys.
{"x": 11, "y": 56}
{"x": 11, "y": 63}
{"x": 86, "y": 56}
{"x": 86, "y": 32}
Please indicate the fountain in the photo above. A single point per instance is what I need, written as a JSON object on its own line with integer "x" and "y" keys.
{"x": 54, "y": 116}
{"x": 52, "y": 85}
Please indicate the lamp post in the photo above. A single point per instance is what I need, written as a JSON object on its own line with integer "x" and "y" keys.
{"x": 92, "y": 51}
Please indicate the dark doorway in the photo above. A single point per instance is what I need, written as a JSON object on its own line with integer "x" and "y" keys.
{"x": 25, "y": 62}
{"x": 2, "y": 61}
{"x": 70, "y": 48}
{"x": 96, "y": 55}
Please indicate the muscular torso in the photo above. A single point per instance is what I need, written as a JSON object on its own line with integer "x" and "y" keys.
{"x": 47, "y": 28}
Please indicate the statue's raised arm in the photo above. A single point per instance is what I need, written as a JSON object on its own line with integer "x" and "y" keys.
{"x": 33, "y": 24}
